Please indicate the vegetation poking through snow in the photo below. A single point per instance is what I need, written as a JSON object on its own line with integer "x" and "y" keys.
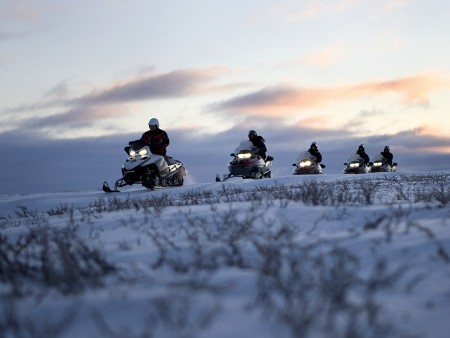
{"x": 311, "y": 259}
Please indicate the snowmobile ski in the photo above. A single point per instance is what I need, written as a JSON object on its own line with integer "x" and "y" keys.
{"x": 106, "y": 188}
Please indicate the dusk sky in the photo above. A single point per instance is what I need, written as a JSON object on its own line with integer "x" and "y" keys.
{"x": 80, "y": 78}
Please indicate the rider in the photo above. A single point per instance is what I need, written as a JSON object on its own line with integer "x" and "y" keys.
{"x": 258, "y": 142}
{"x": 387, "y": 155}
{"x": 314, "y": 151}
{"x": 156, "y": 138}
{"x": 362, "y": 153}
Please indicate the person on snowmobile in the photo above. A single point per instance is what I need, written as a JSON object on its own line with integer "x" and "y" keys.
{"x": 258, "y": 142}
{"x": 314, "y": 151}
{"x": 362, "y": 153}
{"x": 156, "y": 138}
{"x": 387, "y": 155}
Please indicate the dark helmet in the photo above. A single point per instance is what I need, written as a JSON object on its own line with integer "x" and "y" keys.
{"x": 387, "y": 149}
{"x": 252, "y": 133}
{"x": 361, "y": 147}
{"x": 314, "y": 145}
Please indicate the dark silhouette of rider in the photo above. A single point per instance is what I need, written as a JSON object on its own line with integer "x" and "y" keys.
{"x": 362, "y": 153}
{"x": 258, "y": 142}
{"x": 387, "y": 155}
{"x": 314, "y": 151}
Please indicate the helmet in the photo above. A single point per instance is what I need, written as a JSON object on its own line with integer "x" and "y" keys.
{"x": 252, "y": 133}
{"x": 361, "y": 147}
{"x": 314, "y": 145}
{"x": 153, "y": 122}
{"x": 386, "y": 148}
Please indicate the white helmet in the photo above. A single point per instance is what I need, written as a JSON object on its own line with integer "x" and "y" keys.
{"x": 153, "y": 122}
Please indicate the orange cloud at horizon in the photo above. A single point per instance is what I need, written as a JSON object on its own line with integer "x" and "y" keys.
{"x": 431, "y": 149}
{"x": 317, "y": 122}
{"x": 430, "y": 131}
{"x": 272, "y": 101}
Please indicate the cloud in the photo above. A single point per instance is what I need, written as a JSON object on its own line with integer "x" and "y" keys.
{"x": 173, "y": 84}
{"x": 108, "y": 102}
{"x": 272, "y": 101}
{"x": 291, "y": 12}
{"x": 84, "y": 163}
{"x": 316, "y": 9}
{"x": 60, "y": 91}
{"x": 74, "y": 118}
{"x": 393, "y": 6}
{"x": 414, "y": 89}
{"x": 324, "y": 57}
{"x": 424, "y": 139}
{"x": 276, "y": 104}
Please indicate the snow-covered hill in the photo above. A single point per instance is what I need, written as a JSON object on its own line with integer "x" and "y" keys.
{"x": 296, "y": 256}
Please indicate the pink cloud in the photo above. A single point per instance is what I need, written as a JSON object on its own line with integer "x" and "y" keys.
{"x": 272, "y": 101}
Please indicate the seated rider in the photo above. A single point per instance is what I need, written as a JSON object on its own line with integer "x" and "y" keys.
{"x": 362, "y": 153}
{"x": 156, "y": 138}
{"x": 258, "y": 142}
{"x": 387, "y": 155}
{"x": 314, "y": 151}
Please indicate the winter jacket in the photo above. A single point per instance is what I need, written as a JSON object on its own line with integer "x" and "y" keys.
{"x": 316, "y": 154}
{"x": 258, "y": 142}
{"x": 364, "y": 156}
{"x": 157, "y": 140}
{"x": 388, "y": 156}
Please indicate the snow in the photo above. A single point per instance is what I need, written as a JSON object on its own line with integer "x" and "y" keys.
{"x": 297, "y": 256}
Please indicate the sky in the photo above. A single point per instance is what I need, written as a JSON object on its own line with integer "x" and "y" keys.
{"x": 79, "y": 79}
{"x": 242, "y": 258}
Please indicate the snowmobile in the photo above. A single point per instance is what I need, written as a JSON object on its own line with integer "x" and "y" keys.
{"x": 380, "y": 165}
{"x": 246, "y": 163}
{"x": 150, "y": 170}
{"x": 306, "y": 164}
{"x": 355, "y": 165}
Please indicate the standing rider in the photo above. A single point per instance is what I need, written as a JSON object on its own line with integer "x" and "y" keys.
{"x": 314, "y": 151}
{"x": 156, "y": 138}
{"x": 362, "y": 153}
{"x": 387, "y": 155}
{"x": 258, "y": 142}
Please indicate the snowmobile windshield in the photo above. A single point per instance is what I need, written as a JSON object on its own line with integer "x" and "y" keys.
{"x": 245, "y": 146}
{"x": 354, "y": 158}
{"x": 305, "y": 156}
{"x": 379, "y": 158}
{"x": 138, "y": 144}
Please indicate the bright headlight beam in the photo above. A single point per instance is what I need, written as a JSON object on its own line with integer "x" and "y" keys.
{"x": 143, "y": 152}
{"x": 244, "y": 155}
{"x": 306, "y": 163}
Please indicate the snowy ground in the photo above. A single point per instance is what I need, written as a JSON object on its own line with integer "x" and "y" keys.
{"x": 298, "y": 256}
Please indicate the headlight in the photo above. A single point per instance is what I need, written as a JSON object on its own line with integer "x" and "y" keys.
{"x": 132, "y": 153}
{"x": 377, "y": 164}
{"x": 143, "y": 152}
{"x": 244, "y": 155}
{"x": 306, "y": 163}
{"x": 354, "y": 164}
